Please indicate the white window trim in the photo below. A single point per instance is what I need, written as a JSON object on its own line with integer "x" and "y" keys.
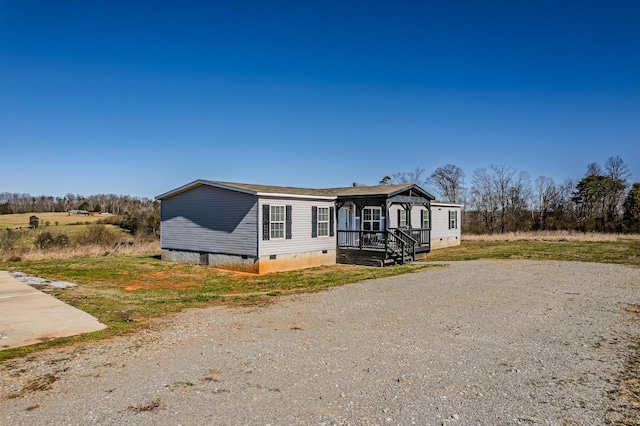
{"x": 453, "y": 219}
{"x": 272, "y": 222}
{"x": 426, "y": 218}
{"x": 403, "y": 218}
{"x": 371, "y": 221}
{"x": 321, "y": 235}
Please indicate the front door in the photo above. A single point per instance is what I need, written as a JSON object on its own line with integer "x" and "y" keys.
{"x": 345, "y": 219}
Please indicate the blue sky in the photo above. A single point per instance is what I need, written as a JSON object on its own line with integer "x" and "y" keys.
{"x": 141, "y": 97}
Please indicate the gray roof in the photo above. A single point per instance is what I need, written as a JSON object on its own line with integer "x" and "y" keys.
{"x": 256, "y": 189}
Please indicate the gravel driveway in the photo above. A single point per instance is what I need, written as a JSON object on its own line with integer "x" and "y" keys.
{"x": 480, "y": 342}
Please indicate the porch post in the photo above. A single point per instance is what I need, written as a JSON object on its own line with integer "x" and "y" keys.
{"x": 358, "y": 213}
{"x": 387, "y": 214}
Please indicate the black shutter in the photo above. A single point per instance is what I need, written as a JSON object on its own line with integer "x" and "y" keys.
{"x": 399, "y": 216}
{"x": 421, "y": 219}
{"x": 332, "y": 212}
{"x": 314, "y": 222}
{"x": 288, "y": 222}
{"x": 265, "y": 221}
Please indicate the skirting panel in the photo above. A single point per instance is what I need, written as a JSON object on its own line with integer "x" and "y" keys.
{"x": 263, "y": 265}
{"x": 438, "y": 243}
{"x": 290, "y": 262}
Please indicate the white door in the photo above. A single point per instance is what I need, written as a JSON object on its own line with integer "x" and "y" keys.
{"x": 345, "y": 218}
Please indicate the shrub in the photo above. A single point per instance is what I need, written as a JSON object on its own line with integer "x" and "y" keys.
{"x": 98, "y": 234}
{"x": 48, "y": 240}
{"x": 7, "y": 239}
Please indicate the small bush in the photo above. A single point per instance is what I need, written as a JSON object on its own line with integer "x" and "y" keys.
{"x": 48, "y": 240}
{"x": 97, "y": 234}
{"x": 7, "y": 239}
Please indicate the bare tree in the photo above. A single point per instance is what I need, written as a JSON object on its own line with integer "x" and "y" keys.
{"x": 546, "y": 197}
{"x": 615, "y": 168}
{"x": 518, "y": 200}
{"x": 408, "y": 177}
{"x": 449, "y": 182}
{"x": 501, "y": 181}
{"x": 483, "y": 200}
{"x": 500, "y": 197}
{"x": 594, "y": 169}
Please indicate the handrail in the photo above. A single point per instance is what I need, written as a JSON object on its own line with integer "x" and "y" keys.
{"x": 407, "y": 243}
{"x": 392, "y": 240}
{"x": 407, "y": 236}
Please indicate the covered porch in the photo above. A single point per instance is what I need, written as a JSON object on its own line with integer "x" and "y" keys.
{"x": 388, "y": 227}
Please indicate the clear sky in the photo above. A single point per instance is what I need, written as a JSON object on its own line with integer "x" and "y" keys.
{"x": 137, "y": 97}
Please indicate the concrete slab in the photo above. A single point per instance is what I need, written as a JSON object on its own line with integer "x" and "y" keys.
{"x": 29, "y": 316}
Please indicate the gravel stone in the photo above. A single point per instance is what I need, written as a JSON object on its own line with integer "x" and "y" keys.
{"x": 35, "y": 281}
{"x": 480, "y": 342}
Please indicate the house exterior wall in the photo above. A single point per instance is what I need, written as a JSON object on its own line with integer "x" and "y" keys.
{"x": 442, "y": 235}
{"x": 211, "y": 220}
{"x": 301, "y": 250}
{"x": 415, "y": 216}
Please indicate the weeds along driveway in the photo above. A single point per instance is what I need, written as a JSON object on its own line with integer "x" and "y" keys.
{"x": 480, "y": 342}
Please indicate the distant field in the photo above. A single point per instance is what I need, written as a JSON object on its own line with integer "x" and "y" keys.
{"x": 18, "y": 220}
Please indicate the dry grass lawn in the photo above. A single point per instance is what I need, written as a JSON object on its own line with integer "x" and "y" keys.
{"x": 551, "y": 236}
{"x": 22, "y": 219}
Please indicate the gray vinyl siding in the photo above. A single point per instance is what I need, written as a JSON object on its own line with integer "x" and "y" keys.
{"x": 416, "y": 216}
{"x": 440, "y": 222}
{"x": 301, "y": 240}
{"x": 208, "y": 219}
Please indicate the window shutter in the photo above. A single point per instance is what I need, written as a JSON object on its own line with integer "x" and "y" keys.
{"x": 288, "y": 222}
{"x": 399, "y": 219}
{"x": 332, "y": 213}
{"x": 265, "y": 221}
{"x": 455, "y": 216}
{"x": 314, "y": 222}
{"x": 421, "y": 218}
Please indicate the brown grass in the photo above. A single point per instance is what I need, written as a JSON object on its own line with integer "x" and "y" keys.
{"x": 552, "y": 236}
{"x": 22, "y": 219}
{"x": 140, "y": 246}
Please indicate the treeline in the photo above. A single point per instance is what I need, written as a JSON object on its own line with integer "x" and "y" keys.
{"x": 140, "y": 216}
{"x": 503, "y": 199}
{"x": 26, "y": 203}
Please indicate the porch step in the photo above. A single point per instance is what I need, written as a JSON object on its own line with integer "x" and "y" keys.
{"x": 394, "y": 257}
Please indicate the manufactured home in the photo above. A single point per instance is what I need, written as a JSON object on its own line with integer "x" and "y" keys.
{"x": 262, "y": 229}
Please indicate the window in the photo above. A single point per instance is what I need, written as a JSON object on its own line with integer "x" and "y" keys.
{"x": 425, "y": 219}
{"x": 402, "y": 218}
{"x": 371, "y": 218}
{"x": 453, "y": 219}
{"x": 323, "y": 221}
{"x": 276, "y": 222}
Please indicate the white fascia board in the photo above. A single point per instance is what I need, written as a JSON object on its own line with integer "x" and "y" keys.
{"x": 179, "y": 189}
{"x": 276, "y": 195}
